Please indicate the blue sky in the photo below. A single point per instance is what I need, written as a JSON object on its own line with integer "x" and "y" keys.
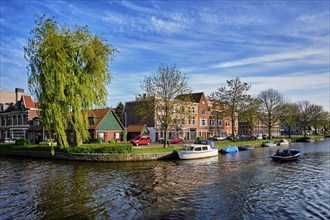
{"x": 282, "y": 45}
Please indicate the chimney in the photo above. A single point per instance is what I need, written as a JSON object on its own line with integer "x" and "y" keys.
{"x": 17, "y": 91}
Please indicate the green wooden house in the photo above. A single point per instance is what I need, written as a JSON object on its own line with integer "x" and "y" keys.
{"x": 104, "y": 124}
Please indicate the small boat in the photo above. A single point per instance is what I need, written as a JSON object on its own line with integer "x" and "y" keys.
{"x": 268, "y": 144}
{"x": 305, "y": 139}
{"x": 196, "y": 151}
{"x": 286, "y": 155}
{"x": 230, "y": 149}
{"x": 245, "y": 147}
{"x": 282, "y": 142}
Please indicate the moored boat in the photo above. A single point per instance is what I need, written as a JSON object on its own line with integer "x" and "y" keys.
{"x": 305, "y": 139}
{"x": 282, "y": 142}
{"x": 268, "y": 144}
{"x": 196, "y": 151}
{"x": 286, "y": 155}
{"x": 245, "y": 147}
{"x": 230, "y": 149}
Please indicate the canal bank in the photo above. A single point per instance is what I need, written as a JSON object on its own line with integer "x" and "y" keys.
{"x": 96, "y": 157}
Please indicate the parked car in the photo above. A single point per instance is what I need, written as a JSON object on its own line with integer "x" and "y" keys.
{"x": 8, "y": 140}
{"x": 141, "y": 140}
{"x": 175, "y": 140}
{"x": 219, "y": 138}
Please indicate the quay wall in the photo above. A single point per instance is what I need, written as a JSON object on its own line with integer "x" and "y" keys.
{"x": 96, "y": 157}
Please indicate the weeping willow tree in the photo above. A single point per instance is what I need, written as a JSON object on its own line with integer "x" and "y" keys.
{"x": 68, "y": 73}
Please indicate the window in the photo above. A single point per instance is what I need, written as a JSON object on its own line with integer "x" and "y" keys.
{"x": 91, "y": 121}
{"x": 193, "y": 120}
{"x": 189, "y": 121}
{"x": 219, "y": 123}
{"x": 193, "y": 109}
{"x": 212, "y": 122}
{"x": 227, "y": 123}
{"x": 203, "y": 122}
{"x": 203, "y": 112}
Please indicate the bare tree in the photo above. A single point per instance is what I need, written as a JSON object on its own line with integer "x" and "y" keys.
{"x": 271, "y": 102}
{"x": 161, "y": 90}
{"x": 234, "y": 99}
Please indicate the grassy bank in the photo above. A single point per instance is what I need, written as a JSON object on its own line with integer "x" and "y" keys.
{"x": 125, "y": 148}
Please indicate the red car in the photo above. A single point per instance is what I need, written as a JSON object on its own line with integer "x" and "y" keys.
{"x": 141, "y": 140}
{"x": 175, "y": 140}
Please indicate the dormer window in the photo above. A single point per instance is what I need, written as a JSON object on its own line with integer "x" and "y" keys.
{"x": 92, "y": 120}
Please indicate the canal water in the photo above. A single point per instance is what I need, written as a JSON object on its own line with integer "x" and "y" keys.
{"x": 243, "y": 185}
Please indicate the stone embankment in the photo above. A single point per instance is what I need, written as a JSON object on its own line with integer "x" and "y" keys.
{"x": 96, "y": 157}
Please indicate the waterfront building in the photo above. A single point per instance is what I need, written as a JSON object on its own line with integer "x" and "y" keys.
{"x": 17, "y": 114}
{"x": 191, "y": 118}
{"x": 103, "y": 124}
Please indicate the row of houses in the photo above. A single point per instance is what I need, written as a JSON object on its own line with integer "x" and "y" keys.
{"x": 19, "y": 118}
{"x": 199, "y": 117}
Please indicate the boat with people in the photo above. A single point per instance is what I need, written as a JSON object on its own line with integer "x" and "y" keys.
{"x": 282, "y": 142}
{"x": 286, "y": 155}
{"x": 268, "y": 144}
{"x": 197, "y": 151}
{"x": 230, "y": 149}
{"x": 245, "y": 147}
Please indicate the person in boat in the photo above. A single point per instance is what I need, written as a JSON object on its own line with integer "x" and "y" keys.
{"x": 278, "y": 153}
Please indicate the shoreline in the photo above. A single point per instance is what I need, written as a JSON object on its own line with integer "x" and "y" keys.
{"x": 95, "y": 157}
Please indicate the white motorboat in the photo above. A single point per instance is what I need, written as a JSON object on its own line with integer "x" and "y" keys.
{"x": 282, "y": 142}
{"x": 196, "y": 151}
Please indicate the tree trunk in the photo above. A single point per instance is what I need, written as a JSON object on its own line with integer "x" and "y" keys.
{"x": 165, "y": 137}
{"x": 289, "y": 131}
{"x": 233, "y": 128}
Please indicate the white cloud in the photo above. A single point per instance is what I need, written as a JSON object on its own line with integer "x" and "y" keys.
{"x": 270, "y": 58}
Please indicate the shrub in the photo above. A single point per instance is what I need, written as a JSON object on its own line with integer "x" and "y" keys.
{"x": 99, "y": 140}
{"x": 102, "y": 148}
{"x": 112, "y": 141}
{"x": 22, "y": 142}
{"x": 200, "y": 138}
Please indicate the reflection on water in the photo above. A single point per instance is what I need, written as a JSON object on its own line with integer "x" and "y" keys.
{"x": 243, "y": 185}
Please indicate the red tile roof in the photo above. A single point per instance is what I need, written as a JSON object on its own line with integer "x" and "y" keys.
{"x": 135, "y": 128}
{"x": 28, "y": 102}
{"x": 98, "y": 113}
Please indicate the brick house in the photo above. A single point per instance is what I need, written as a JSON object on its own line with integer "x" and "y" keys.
{"x": 16, "y": 118}
{"x": 103, "y": 124}
{"x": 191, "y": 119}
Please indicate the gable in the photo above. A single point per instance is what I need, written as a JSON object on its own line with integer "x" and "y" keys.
{"x": 110, "y": 122}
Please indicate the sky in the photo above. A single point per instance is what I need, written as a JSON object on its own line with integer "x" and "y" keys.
{"x": 282, "y": 45}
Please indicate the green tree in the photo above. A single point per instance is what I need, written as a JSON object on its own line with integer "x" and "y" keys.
{"x": 271, "y": 102}
{"x": 318, "y": 117}
{"x": 289, "y": 115}
{"x": 234, "y": 99}
{"x": 68, "y": 73}
{"x": 305, "y": 114}
{"x": 160, "y": 98}
{"x": 249, "y": 113}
